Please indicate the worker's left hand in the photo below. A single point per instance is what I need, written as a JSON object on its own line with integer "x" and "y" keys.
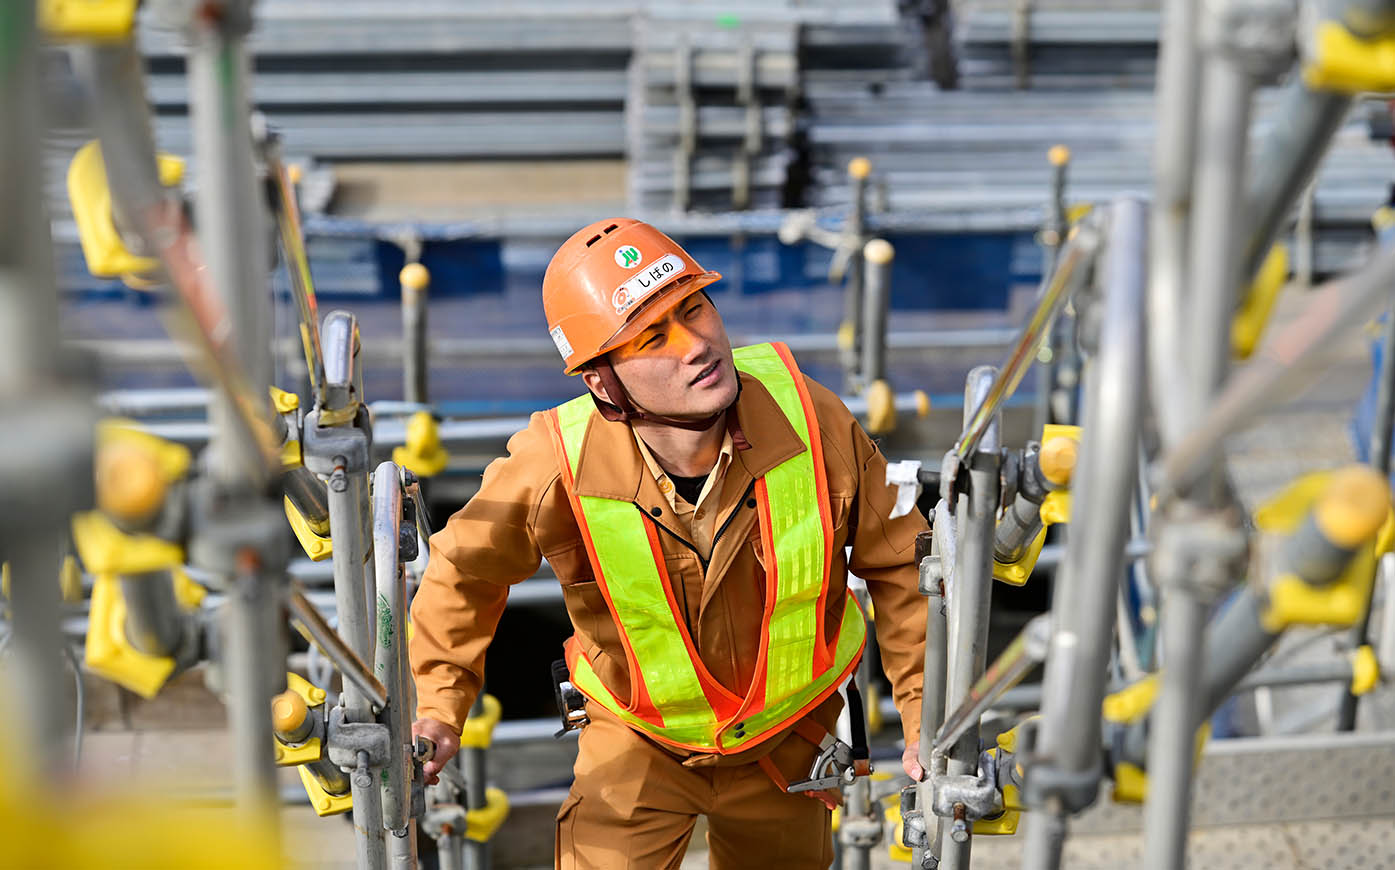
{"x": 447, "y": 744}
{"x": 910, "y": 762}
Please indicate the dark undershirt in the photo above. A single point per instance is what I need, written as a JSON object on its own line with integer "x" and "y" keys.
{"x": 689, "y": 488}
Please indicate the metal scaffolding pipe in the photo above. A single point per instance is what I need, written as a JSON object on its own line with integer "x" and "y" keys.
{"x": 1174, "y": 156}
{"x": 415, "y": 281}
{"x": 390, "y": 655}
{"x": 154, "y": 624}
{"x": 970, "y": 591}
{"x": 876, "y": 303}
{"x": 1083, "y": 604}
{"x": 292, "y": 238}
{"x": 1213, "y": 277}
{"x": 1072, "y": 270}
{"x": 336, "y": 649}
{"x": 1335, "y": 309}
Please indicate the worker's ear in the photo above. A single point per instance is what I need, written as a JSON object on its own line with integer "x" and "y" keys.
{"x": 593, "y": 383}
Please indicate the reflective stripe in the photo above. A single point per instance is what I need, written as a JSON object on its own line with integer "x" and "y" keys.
{"x": 792, "y": 534}
{"x": 674, "y": 698}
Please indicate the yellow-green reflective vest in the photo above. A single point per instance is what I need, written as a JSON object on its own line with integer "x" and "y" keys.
{"x": 673, "y": 697}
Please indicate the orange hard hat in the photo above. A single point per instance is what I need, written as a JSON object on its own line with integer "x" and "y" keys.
{"x": 609, "y": 281}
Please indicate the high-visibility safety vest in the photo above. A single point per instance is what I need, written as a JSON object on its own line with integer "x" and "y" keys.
{"x": 673, "y": 698}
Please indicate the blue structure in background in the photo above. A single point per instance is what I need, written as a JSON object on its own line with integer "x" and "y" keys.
{"x": 932, "y": 271}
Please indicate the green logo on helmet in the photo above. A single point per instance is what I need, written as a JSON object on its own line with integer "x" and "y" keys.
{"x": 627, "y": 257}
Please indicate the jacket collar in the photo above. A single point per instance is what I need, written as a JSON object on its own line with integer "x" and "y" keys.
{"x": 611, "y": 467}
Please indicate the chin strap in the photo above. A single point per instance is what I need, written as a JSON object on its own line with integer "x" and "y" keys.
{"x": 621, "y": 410}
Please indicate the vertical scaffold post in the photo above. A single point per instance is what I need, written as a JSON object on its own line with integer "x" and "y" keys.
{"x": 1083, "y": 606}
{"x": 1189, "y": 578}
{"x": 877, "y": 256}
{"x": 1053, "y": 234}
{"x": 390, "y": 664}
{"x": 1379, "y": 449}
{"x": 934, "y": 564}
{"x": 474, "y": 763}
{"x": 850, "y": 332}
{"x": 347, "y": 465}
{"x": 232, "y": 234}
{"x": 971, "y": 588}
{"x": 1174, "y": 156}
{"x": 46, "y": 448}
{"x": 415, "y": 281}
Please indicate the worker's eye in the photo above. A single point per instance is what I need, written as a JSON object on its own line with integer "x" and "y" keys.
{"x": 652, "y": 341}
{"x": 692, "y": 311}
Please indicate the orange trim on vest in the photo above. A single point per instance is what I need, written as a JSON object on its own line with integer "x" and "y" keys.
{"x": 722, "y": 700}
{"x": 640, "y": 705}
{"x": 817, "y": 699}
{"x": 823, "y": 653}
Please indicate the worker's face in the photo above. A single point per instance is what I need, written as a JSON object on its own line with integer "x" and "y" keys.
{"x": 681, "y": 365}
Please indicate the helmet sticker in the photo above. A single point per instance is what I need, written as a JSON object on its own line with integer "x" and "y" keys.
{"x": 559, "y": 338}
{"x": 646, "y": 282}
{"x": 628, "y": 256}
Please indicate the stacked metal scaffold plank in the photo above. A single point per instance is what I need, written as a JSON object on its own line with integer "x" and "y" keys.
{"x": 360, "y": 79}
{"x": 1033, "y": 76}
{"x": 714, "y": 103}
{"x": 1056, "y": 43}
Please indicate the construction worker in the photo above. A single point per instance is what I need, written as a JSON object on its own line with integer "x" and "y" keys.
{"x": 697, "y": 506}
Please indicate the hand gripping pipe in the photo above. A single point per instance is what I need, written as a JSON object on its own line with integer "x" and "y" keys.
{"x": 971, "y": 586}
{"x": 1066, "y": 778}
{"x": 390, "y": 663}
{"x": 1072, "y": 270}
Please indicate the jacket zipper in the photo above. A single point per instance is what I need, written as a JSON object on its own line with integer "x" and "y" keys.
{"x": 677, "y": 537}
{"x": 745, "y": 495}
{"x": 715, "y": 538}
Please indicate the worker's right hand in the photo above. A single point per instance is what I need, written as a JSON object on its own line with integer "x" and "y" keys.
{"x": 447, "y": 742}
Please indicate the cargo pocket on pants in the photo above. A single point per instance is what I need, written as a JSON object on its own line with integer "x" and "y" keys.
{"x": 565, "y": 833}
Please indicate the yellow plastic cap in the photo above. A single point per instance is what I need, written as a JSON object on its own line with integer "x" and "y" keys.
{"x": 414, "y": 276}
{"x": 881, "y": 408}
{"x": 878, "y": 251}
{"x": 859, "y": 167}
{"x": 922, "y": 403}
{"x": 130, "y": 484}
{"x": 288, "y": 712}
{"x": 1353, "y": 507}
{"x": 1059, "y": 155}
{"x": 1057, "y": 459}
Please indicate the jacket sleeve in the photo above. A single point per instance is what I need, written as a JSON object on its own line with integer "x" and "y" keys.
{"x": 485, "y": 547}
{"x": 883, "y": 555}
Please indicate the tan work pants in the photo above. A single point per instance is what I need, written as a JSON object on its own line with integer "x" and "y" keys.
{"x": 633, "y": 805}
